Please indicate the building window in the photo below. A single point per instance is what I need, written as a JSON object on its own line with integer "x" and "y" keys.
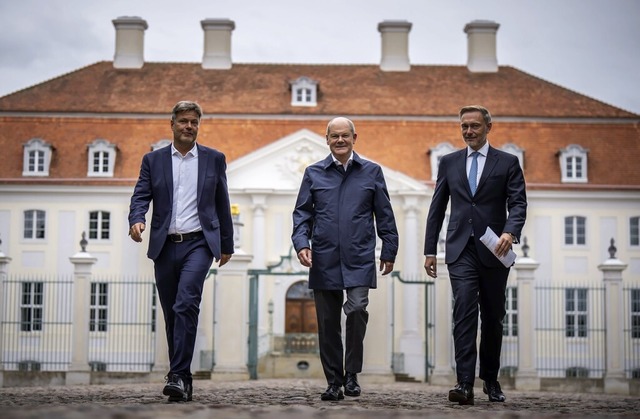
{"x": 510, "y": 323}
{"x": 575, "y": 230}
{"x": 98, "y": 306}
{"x": 98, "y": 366}
{"x": 576, "y": 372}
{"x": 435, "y": 154}
{"x": 29, "y": 366}
{"x": 516, "y": 151}
{"x": 31, "y": 306}
{"x": 99, "y": 225}
{"x": 102, "y": 159}
{"x": 160, "y": 144}
{"x": 36, "y": 158}
{"x": 573, "y": 164}
{"x": 634, "y": 231}
{"x": 635, "y": 313}
{"x": 34, "y": 224}
{"x": 304, "y": 92}
{"x": 576, "y": 312}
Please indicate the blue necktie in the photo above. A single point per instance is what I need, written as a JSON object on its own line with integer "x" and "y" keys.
{"x": 473, "y": 173}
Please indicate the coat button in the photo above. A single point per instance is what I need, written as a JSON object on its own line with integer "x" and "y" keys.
{"x": 470, "y": 220}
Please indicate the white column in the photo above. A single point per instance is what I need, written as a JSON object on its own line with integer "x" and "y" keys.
{"x": 4, "y": 272}
{"x": 614, "y": 378}
{"x": 79, "y": 371}
{"x": 259, "y": 205}
{"x": 443, "y": 372}
{"x": 231, "y": 313}
{"x": 411, "y": 340}
{"x": 527, "y": 376}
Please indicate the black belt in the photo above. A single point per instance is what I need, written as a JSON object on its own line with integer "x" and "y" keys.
{"x": 180, "y": 237}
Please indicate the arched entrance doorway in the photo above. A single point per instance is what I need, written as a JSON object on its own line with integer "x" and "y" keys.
{"x": 301, "y": 325}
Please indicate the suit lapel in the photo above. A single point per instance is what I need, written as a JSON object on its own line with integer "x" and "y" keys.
{"x": 461, "y": 163}
{"x": 489, "y": 165}
{"x": 203, "y": 161}
{"x": 168, "y": 172}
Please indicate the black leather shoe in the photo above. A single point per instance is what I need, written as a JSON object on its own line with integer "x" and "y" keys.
{"x": 333, "y": 392}
{"x": 351, "y": 386}
{"x": 493, "y": 390}
{"x": 188, "y": 387}
{"x": 175, "y": 389}
{"x": 462, "y": 393}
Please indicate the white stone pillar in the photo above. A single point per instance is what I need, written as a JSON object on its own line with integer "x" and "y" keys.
{"x": 4, "y": 273}
{"x": 614, "y": 378}
{"x": 527, "y": 376}
{"x": 79, "y": 371}
{"x": 377, "y": 350}
{"x": 443, "y": 373}
{"x": 231, "y": 314}
{"x": 411, "y": 340}
{"x": 161, "y": 362}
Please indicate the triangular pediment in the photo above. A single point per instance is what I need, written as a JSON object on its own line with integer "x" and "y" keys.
{"x": 280, "y": 166}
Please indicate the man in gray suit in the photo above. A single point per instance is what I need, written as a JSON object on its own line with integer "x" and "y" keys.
{"x": 487, "y": 189}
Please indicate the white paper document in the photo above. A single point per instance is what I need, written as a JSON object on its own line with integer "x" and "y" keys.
{"x": 490, "y": 239}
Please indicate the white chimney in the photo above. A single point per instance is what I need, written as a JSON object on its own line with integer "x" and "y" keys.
{"x": 395, "y": 45}
{"x": 129, "y": 42}
{"x": 217, "y": 43}
{"x": 481, "y": 46}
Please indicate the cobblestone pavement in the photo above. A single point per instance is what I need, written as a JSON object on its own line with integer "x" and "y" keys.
{"x": 297, "y": 398}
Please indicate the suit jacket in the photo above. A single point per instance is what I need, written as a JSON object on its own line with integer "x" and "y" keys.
{"x": 155, "y": 183}
{"x": 336, "y": 215}
{"x": 500, "y": 202}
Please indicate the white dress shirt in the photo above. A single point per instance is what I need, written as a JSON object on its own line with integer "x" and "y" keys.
{"x": 184, "y": 213}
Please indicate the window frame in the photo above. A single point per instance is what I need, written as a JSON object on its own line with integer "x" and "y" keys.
{"x": 32, "y": 306}
{"x": 35, "y": 222}
{"x": 576, "y": 313}
{"x": 99, "y": 225}
{"x": 510, "y": 322}
{"x": 435, "y": 154}
{"x": 44, "y": 150}
{"x": 573, "y": 234}
{"x": 99, "y": 307}
{"x": 634, "y": 231}
{"x": 104, "y": 149}
{"x": 569, "y": 159}
{"x": 310, "y": 89}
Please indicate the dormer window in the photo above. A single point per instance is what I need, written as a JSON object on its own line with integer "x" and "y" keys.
{"x": 573, "y": 164}
{"x": 36, "y": 158}
{"x": 436, "y": 154}
{"x": 516, "y": 151}
{"x": 304, "y": 92}
{"x": 161, "y": 143}
{"x": 101, "y": 158}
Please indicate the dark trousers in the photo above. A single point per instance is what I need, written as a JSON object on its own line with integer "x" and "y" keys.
{"x": 180, "y": 271}
{"x": 477, "y": 286}
{"x": 329, "y": 304}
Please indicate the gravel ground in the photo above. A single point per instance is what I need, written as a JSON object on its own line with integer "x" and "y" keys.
{"x": 295, "y": 398}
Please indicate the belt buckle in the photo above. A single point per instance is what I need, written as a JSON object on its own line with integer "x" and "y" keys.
{"x": 181, "y": 238}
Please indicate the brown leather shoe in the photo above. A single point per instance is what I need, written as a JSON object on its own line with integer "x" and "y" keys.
{"x": 462, "y": 393}
{"x": 493, "y": 390}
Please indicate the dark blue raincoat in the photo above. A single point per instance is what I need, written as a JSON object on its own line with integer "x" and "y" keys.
{"x": 337, "y": 215}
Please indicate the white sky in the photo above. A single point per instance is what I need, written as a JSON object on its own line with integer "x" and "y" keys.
{"x": 589, "y": 46}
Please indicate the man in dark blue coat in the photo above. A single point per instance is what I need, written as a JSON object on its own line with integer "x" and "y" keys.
{"x": 342, "y": 201}
{"x": 486, "y": 188}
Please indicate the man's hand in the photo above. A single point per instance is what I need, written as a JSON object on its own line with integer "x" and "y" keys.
{"x": 304, "y": 256}
{"x": 224, "y": 259}
{"x": 431, "y": 266}
{"x": 504, "y": 244}
{"x": 386, "y": 267}
{"x": 136, "y": 232}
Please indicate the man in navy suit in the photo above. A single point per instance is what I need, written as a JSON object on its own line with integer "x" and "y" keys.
{"x": 487, "y": 189}
{"x": 191, "y": 225}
